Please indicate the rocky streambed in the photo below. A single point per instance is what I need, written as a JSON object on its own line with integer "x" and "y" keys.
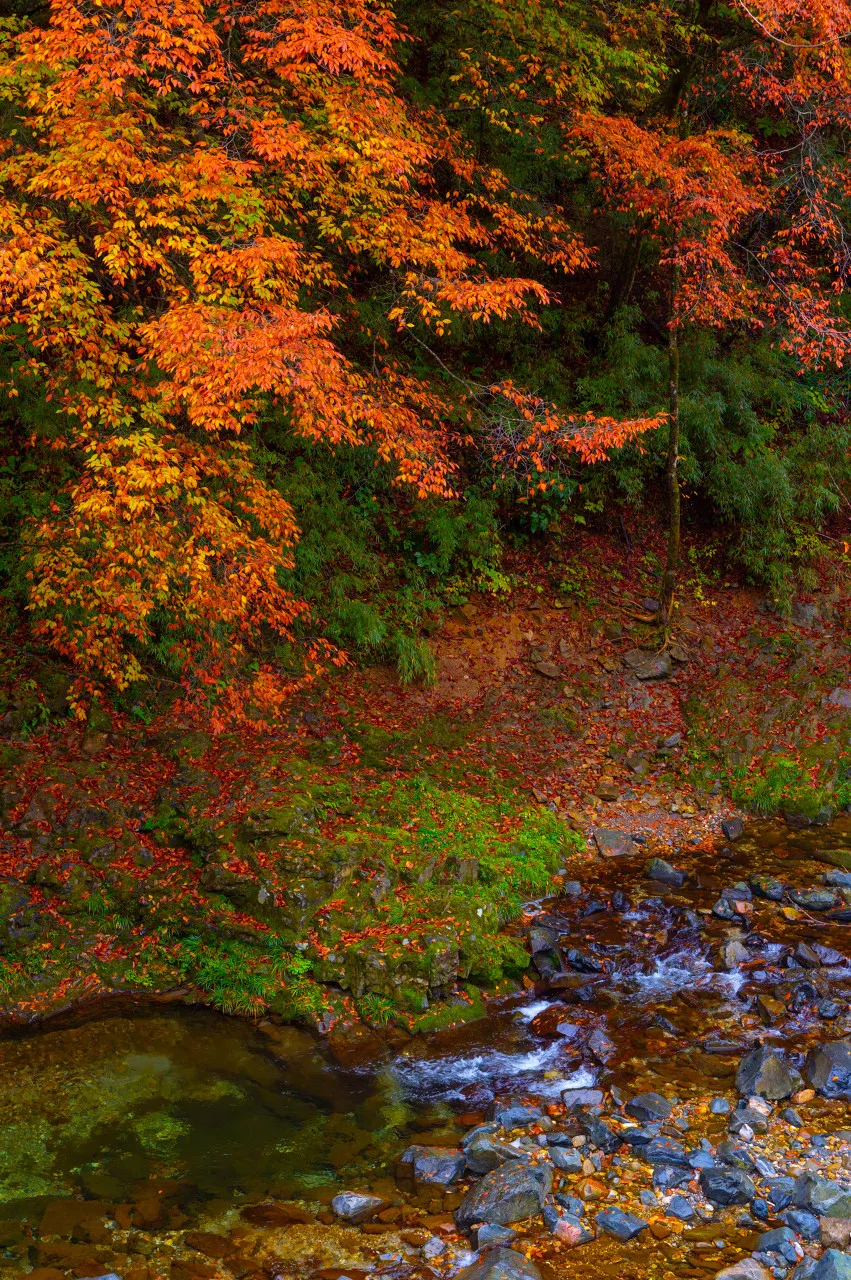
{"x": 669, "y": 1096}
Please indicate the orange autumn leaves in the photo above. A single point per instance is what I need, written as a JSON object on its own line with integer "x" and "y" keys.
{"x": 187, "y": 190}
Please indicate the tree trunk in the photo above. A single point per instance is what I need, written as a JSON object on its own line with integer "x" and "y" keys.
{"x": 672, "y": 559}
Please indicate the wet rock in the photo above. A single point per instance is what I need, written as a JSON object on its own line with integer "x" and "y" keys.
{"x": 614, "y": 844}
{"x": 791, "y": 1117}
{"x": 806, "y": 957}
{"x": 832, "y": 1265}
{"x": 748, "y": 1118}
{"x": 623, "y": 1226}
{"x": 680, "y": 1208}
{"x": 500, "y": 1264}
{"x": 600, "y": 1134}
{"x": 767, "y": 887}
{"x": 601, "y": 1048}
{"x": 355, "y": 1207}
{"x": 666, "y": 1151}
{"x": 646, "y": 665}
{"x": 802, "y": 994}
{"x": 648, "y": 1106}
{"x": 724, "y": 1187}
{"x": 828, "y": 956}
{"x": 771, "y": 1011}
{"x": 829, "y": 1009}
{"x": 813, "y": 899}
{"x": 516, "y": 1115}
{"x": 781, "y": 1240}
{"x": 732, "y": 828}
{"x": 823, "y": 1196}
{"x": 828, "y": 1069}
{"x": 434, "y": 1166}
{"x": 737, "y": 1156}
{"x": 660, "y": 870}
{"x": 508, "y": 1194}
{"x": 582, "y": 961}
{"x": 566, "y": 1158}
{"x": 491, "y": 1234}
{"x": 576, "y": 1099}
{"x": 805, "y": 1223}
{"x": 720, "y": 1107}
{"x": 485, "y": 1153}
{"x": 620, "y": 901}
{"x": 766, "y": 1073}
{"x": 744, "y": 1269}
{"x": 669, "y": 1178}
{"x": 838, "y": 879}
{"x": 639, "y": 1137}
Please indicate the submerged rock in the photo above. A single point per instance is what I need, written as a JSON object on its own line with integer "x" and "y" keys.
{"x": 501, "y": 1264}
{"x": 766, "y": 1073}
{"x": 356, "y": 1207}
{"x": 434, "y": 1166}
{"x": 648, "y": 1106}
{"x": 828, "y": 1069}
{"x": 623, "y": 1226}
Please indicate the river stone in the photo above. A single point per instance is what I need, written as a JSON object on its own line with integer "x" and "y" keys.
{"x": 355, "y": 1207}
{"x": 647, "y": 665}
{"x": 506, "y": 1195}
{"x": 500, "y": 1264}
{"x": 805, "y": 1223}
{"x": 486, "y": 1153}
{"x": 780, "y": 1240}
{"x": 614, "y": 844}
{"x": 780, "y": 1191}
{"x": 576, "y": 1099}
{"x": 660, "y": 870}
{"x": 680, "y": 1208}
{"x": 600, "y": 1134}
{"x": 832, "y": 1265}
{"x": 839, "y": 698}
{"x": 835, "y": 1233}
{"x": 724, "y": 1187}
{"x": 648, "y": 1106}
{"x": 766, "y": 1073}
{"x": 665, "y": 1151}
{"x": 491, "y": 1234}
{"x": 623, "y": 1226}
{"x": 490, "y": 1126}
{"x": 516, "y": 1115}
{"x": 813, "y": 899}
{"x": 828, "y": 1069}
{"x": 582, "y": 962}
{"x": 823, "y": 1196}
{"x": 837, "y": 879}
{"x": 744, "y": 1269}
{"x": 566, "y": 1158}
{"x": 733, "y": 828}
{"x": 434, "y": 1166}
{"x": 768, "y": 887}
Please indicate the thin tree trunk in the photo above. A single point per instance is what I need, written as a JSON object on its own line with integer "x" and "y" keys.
{"x": 672, "y": 559}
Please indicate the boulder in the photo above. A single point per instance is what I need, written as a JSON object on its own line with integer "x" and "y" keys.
{"x": 823, "y": 1196}
{"x": 744, "y": 1269}
{"x": 507, "y": 1195}
{"x": 647, "y": 665}
{"x": 500, "y": 1264}
{"x": 828, "y": 1069}
{"x": 724, "y": 1187}
{"x": 832, "y": 1265}
{"x": 486, "y": 1153}
{"x": 434, "y": 1166}
{"x": 567, "y": 1159}
{"x": 766, "y": 1073}
{"x": 623, "y": 1226}
{"x": 614, "y": 844}
{"x": 516, "y": 1115}
{"x": 661, "y": 871}
{"x": 835, "y": 1233}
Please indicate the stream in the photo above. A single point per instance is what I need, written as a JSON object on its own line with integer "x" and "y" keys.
{"x": 182, "y": 1144}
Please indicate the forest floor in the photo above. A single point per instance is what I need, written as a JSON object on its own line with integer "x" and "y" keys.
{"x": 359, "y": 864}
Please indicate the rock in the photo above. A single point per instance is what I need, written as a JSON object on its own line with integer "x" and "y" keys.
{"x": 781, "y": 1240}
{"x": 601, "y": 1048}
{"x": 814, "y": 899}
{"x": 832, "y": 1265}
{"x": 491, "y": 1234}
{"x": 744, "y": 1269}
{"x": 548, "y": 669}
{"x": 829, "y": 1009}
{"x": 571, "y": 1230}
{"x": 607, "y": 791}
{"x": 791, "y": 1117}
{"x": 823, "y": 1196}
{"x": 835, "y": 1233}
{"x": 508, "y": 1194}
{"x": 600, "y": 1134}
{"x": 614, "y": 844}
{"x": 516, "y": 1115}
{"x": 355, "y": 1207}
{"x": 771, "y": 1011}
{"x": 828, "y": 1069}
{"x": 732, "y": 828}
{"x": 434, "y": 1166}
{"x": 566, "y": 1158}
{"x": 768, "y": 887}
{"x": 576, "y": 1099}
{"x": 500, "y": 1264}
{"x": 680, "y": 1208}
{"x": 748, "y": 1118}
{"x": 665, "y": 1151}
{"x": 720, "y": 1107}
{"x": 662, "y": 871}
{"x": 486, "y": 1153}
{"x": 648, "y": 1106}
{"x": 829, "y": 956}
{"x": 724, "y": 1187}
{"x": 838, "y": 879}
{"x": 805, "y": 1223}
{"x": 582, "y": 961}
{"x": 806, "y": 957}
{"x": 623, "y": 1226}
{"x": 780, "y": 1191}
{"x": 839, "y": 698}
{"x": 647, "y": 665}
{"x": 766, "y": 1073}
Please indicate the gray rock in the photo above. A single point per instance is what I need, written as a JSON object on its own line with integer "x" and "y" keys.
{"x": 766, "y": 1073}
{"x": 660, "y": 870}
{"x": 506, "y": 1195}
{"x": 567, "y": 1159}
{"x": 838, "y": 879}
{"x": 582, "y": 961}
{"x": 720, "y": 1107}
{"x": 734, "y": 1154}
{"x": 781, "y": 1240}
{"x": 623, "y": 1226}
{"x": 666, "y": 1151}
{"x": 516, "y": 1115}
{"x": 614, "y": 844}
{"x": 566, "y": 1226}
{"x": 471, "y": 1135}
{"x": 680, "y": 1208}
{"x": 600, "y": 1134}
{"x": 500, "y": 1264}
{"x": 355, "y": 1207}
{"x": 434, "y": 1166}
{"x": 576, "y": 1099}
{"x": 767, "y": 887}
{"x": 823, "y": 1196}
{"x": 486, "y": 1152}
{"x": 601, "y": 1048}
{"x": 780, "y": 1191}
{"x": 839, "y": 698}
{"x": 726, "y": 1186}
{"x": 732, "y": 828}
{"x": 491, "y": 1235}
{"x": 828, "y": 1069}
{"x": 832, "y": 1265}
{"x": 790, "y": 1115}
{"x": 805, "y": 1223}
{"x": 648, "y": 1106}
{"x": 805, "y": 1269}
{"x": 744, "y": 1269}
{"x": 813, "y": 899}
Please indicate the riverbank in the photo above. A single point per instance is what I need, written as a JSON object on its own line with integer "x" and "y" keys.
{"x": 361, "y": 866}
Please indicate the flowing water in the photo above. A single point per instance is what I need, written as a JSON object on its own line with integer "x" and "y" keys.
{"x": 177, "y": 1119}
